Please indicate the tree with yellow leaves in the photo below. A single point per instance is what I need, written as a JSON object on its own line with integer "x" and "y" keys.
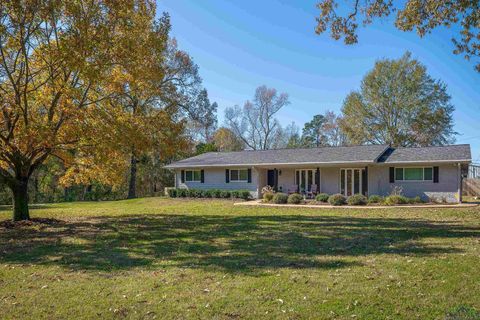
{"x": 57, "y": 63}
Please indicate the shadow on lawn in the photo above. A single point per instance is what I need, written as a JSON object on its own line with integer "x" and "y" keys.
{"x": 244, "y": 244}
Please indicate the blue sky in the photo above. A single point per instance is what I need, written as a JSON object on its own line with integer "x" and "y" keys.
{"x": 240, "y": 45}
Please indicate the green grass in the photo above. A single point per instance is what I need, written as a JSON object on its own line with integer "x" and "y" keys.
{"x": 189, "y": 259}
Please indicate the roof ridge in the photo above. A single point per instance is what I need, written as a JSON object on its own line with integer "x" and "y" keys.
{"x": 442, "y": 146}
{"x": 304, "y": 148}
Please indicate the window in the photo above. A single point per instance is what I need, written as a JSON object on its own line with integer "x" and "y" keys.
{"x": 193, "y": 175}
{"x": 414, "y": 174}
{"x": 351, "y": 181}
{"x": 239, "y": 175}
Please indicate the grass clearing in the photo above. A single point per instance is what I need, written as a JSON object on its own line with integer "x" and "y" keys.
{"x": 188, "y": 259}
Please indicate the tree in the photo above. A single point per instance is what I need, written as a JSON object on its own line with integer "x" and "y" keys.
{"x": 422, "y": 15}
{"x": 332, "y": 131}
{"x": 313, "y": 132}
{"x": 56, "y": 61}
{"x": 204, "y": 117}
{"x": 225, "y": 140}
{"x": 399, "y": 104}
{"x": 255, "y": 123}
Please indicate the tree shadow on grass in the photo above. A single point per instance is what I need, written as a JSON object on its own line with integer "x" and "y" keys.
{"x": 241, "y": 244}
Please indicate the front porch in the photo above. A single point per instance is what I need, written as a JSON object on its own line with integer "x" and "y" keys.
{"x": 313, "y": 180}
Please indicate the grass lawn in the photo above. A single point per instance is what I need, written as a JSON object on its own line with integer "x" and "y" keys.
{"x": 188, "y": 259}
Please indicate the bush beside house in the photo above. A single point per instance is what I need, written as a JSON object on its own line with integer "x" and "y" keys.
{"x": 295, "y": 198}
{"x": 212, "y": 193}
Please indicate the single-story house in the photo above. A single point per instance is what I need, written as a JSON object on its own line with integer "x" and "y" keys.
{"x": 428, "y": 172}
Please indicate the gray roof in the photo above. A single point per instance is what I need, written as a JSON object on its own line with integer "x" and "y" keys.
{"x": 328, "y": 155}
{"x": 359, "y": 154}
{"x": 459, "y": 152}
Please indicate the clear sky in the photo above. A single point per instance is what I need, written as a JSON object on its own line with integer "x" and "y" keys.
{"x": 240, "y": 45}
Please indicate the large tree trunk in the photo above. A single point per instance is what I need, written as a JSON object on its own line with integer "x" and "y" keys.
{"x": 20, "y": 199}
{"x": 132, "y": 185}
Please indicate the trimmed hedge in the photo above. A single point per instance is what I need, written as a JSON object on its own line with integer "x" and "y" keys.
{"x": 322, "y": 197}
{"x": 268, "y": 196}
{"x": 295, "y": 198}
{"x": 395, "y": 200}
{"x": 357, "y": 200}
{"x": 280, "y": 198}
{"x": 336, "y": 199}
{"x": 212, "y": 193}
{"x": 374, "y": 198}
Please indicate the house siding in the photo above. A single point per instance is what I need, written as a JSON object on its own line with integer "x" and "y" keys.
{"x": 378, "y": 181}
{"x": 447, "y": 186}
{"x": 215, "y": 179}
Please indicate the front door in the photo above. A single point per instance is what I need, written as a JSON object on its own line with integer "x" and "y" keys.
{"x": 350, "y": 181}
{"x": 271, "y": 178}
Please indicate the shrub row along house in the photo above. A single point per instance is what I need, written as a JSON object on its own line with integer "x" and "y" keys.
{"x": 428, "y": 172}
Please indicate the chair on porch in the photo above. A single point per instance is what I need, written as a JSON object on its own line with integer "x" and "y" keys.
{"x": 313, "y": 191}
{"x": 292, "y": 189}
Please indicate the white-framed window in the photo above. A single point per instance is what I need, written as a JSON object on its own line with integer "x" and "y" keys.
{"x": 351, "y": 181}
{"x": 193, "y": 175}
{"x": 414, "y": 174}
{"x": 238, "y": 175}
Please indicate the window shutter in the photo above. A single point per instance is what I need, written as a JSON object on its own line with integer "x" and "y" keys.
{"x": 435, "y": 175}
{"x": 297, "y": 179}
{"x": 317, "y": 179}
{"x": 182, "y": 176}
{"x": 365, "y": 181}
{"x": 392, "y": 174}
{"x": 249, "y": 175}
{"x": 227, "y": 176}
{"x": 202, "y": 176}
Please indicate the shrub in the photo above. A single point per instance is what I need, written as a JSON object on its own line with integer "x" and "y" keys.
{"x": 192, "y": 193}
{"x": 295, "y": 198}
{"x": 182, "y": 193}
{"x": 336, "y": 199}
{"x": 322, "y": 197}
{"x": 357, "y": 200}
{"x": 200, "y": 193}
{"x": 172, "y": 192}
{"x": 268, "y": 189}
{"x": 225, "y": 194}
{"x": 417, "y": 199}
{"x": 234, "y": 193}
{"x": 280, "y": 198}
{"x": 268, "y": 196}
{"x": 244, "y": 194}
{"x": 375, "y": 198}
{"x": 216, "y": 193}
{"x": 395, "y": 200}
{"x": 207, "y": 193}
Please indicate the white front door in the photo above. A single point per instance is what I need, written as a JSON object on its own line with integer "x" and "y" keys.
{"x": 350, "y": 181}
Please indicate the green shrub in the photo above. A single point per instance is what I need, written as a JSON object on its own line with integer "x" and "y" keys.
{"x": 192, "y": 193}
{"x": 357, "y": 200}
{"x": 417, "y": 199}
{"x": 234, "y": 193}
{"x": 268, "y": 196}
{"x": 172, "y": 192}
{"x": 336, "y": 199}
{"x": 182, "y": 193}
{"x": 322, "y": 197}
{"x": 207, "y": 193}
{"x": 375, "y": 198}
{"x": 244, "y": 194}
{"x": 216, "y": 193}
{"x": 395, "y": 200}
{"x": 225, "y": 194}
{"x": 295, "y": 198}
{"x": 280, "y": 198}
